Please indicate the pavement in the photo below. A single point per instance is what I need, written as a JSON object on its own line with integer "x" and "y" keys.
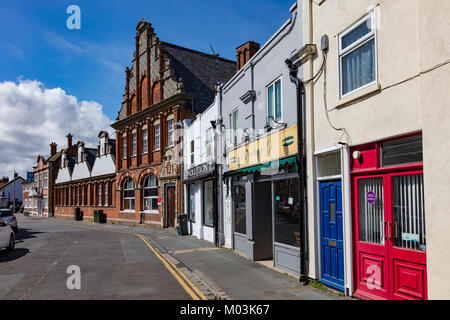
{"x": 116, "y": 263}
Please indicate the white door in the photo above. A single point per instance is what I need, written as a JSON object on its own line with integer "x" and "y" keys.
{"x": 227, "y": 211}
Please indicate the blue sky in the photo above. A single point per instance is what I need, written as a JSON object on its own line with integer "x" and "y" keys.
{"x": 89, "y": 63}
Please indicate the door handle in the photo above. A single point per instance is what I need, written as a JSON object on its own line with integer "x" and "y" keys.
{"x": 385, "y": 230}
{"x": 390, "y": 230}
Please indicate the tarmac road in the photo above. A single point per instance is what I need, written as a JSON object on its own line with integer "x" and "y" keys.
{"x": 113, "y": 265}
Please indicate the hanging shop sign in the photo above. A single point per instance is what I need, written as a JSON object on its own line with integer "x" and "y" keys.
{"x": 278, "y": 145}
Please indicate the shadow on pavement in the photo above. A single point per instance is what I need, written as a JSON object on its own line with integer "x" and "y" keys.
{"x": 24, "y": 233}
{"x": 6, "y": 256}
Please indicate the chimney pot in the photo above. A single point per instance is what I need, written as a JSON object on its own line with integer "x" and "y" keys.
{"x": 53, "y": 147}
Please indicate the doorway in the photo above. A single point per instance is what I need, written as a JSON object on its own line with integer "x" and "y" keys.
{"x": 331, "y": 234}
{"x": 390, "y": 236}
{"x": 170, "y": 206}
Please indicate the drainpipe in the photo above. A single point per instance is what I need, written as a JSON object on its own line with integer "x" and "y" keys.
{"x": 220, "y": 242}
{"x": 301, "y": 159}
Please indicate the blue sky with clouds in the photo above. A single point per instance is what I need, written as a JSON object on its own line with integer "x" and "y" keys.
{"x": 89, "y": 63}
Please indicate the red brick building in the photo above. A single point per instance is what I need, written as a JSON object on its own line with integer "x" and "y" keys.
{"x": 86, "y": 179}
{"x": 165, "y": 85}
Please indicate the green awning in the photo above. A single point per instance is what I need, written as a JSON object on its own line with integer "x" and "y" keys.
{"x": 269, "y": 165}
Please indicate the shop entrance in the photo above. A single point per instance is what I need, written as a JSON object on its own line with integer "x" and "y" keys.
{"x": 390, "y": 236}
{"x": 331, "y": 234}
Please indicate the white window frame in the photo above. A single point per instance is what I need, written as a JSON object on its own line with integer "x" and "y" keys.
{"x": 153, "y": 211}
{"x": 145, "y": 141}
{"x": 134, "y": 144}
{"x": 99, "y": 194}
{"x": 157, "y": 137}
{"x": 45, "y": 178}
{"x": 354, "y": 46}
{"x": 272, "y": 84}
{"x": 234, "y": 126}
{"x": 124, "y": 147}
{"x": 192, "y": 154}
{"x": 209, "y": 143}
{"x": 170, "y": 133}
{"x": 106, "y": 191}
{"x": 125, "y": 185}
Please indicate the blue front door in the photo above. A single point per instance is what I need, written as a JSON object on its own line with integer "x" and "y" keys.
{"x": 331, "y": 234}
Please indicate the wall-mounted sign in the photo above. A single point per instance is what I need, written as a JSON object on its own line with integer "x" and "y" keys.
{"x": 278, "y": 145}
{"x": 201, "y": 170}
{"x": 371, "y": 197}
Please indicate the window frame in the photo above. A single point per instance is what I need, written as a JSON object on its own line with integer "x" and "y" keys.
{"x": 106, "y": 194}
{"x": 373, "y": 35}
{"x": 273, "y": 84}
{"x": 99, "y": 193}
{"x": 134, "y": 144}
{"x": 125, "y": 185}
{"x": 124, "y": 147}
{"x": 144, "y": 141}
{"x": 233, "y": 122}
{"x": 45, "y": 180}
{"x": 192, "y": 152}
{"x": 144, "y": 187}
{"x": 157, "y": 137}
{"x": 170, "y": 133}
{"x": 213, "y": 203}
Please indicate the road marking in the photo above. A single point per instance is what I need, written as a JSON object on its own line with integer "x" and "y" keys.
{"x": 198, "y": 295}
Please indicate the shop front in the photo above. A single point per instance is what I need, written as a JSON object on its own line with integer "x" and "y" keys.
{"x": 201, "y": 201}
{"x": 265, "y": 200}
{"x": 389, "y": 220}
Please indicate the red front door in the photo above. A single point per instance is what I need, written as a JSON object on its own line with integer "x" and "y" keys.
{"x": 390, "y": 236}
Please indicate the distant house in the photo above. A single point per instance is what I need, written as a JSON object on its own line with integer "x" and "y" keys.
{"x": 10, "y": 190}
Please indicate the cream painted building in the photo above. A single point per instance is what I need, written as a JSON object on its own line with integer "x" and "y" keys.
{"x": 377, "y": 146}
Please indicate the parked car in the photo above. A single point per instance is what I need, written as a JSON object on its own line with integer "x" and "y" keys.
{"x": 7, "y": 238}
{"x": 9, "y": 217}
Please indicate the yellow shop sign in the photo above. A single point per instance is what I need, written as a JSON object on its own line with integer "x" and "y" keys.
{"x": 278, "y": 145}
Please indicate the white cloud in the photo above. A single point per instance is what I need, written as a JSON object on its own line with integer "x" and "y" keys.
{"x": 32, "y": 116}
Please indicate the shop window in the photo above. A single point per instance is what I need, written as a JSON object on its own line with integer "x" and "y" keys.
{"x": 287, "y": 212}
{"x": 357, "y": 55}
{"x": 240, "y": 223}
{"x": 402, "y": 151}
{"x": 128, "y": 194}
{"x": 329, "y": 164}
{"x": 151, "y": 193}
{"x": 191, "y": 199}
{"x": 208, "y": 203}
{"x": 409, "y": 212}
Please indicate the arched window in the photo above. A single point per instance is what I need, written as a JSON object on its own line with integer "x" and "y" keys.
{"x": 128, "y": 194}
{"x": 150, "y": 193}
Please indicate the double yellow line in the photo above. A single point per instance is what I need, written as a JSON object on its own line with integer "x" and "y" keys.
{"x": 187, "y": 285}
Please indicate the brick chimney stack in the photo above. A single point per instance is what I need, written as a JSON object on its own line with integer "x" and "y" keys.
{"x": 53, "y": 147}
{"x": 245, "y": 52}
{"x": 69, "y": 144}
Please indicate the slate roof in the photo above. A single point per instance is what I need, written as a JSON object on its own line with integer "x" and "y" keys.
{"x": 200, "y": 72}
{"x": 91, "y": 155}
